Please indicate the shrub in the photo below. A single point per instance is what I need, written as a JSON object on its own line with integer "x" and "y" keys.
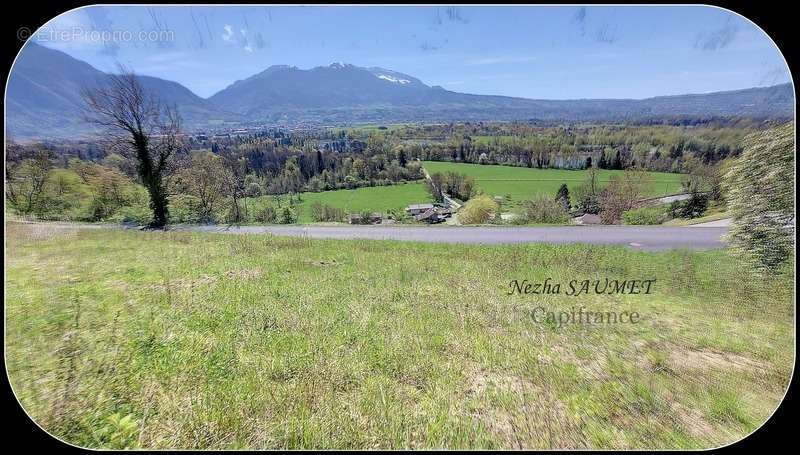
{"x": 693, "y": 207}
{"x": 137, "y": 211}
{"x": 458, "y": 186}
{"x": 365, "y": 214}
{"x": 324, "y": 212}
{"x": 137, "y": 214}
{"x": 760, "y": 194}
{"x": 478, "y": 210}
{"x": 587, "y": 194}
{"x": 266, "y": 214}
{"x": 186, "y": 209}
{"x": 65, "y": 197}
{"x": 562, "y": 196}
{"x": 543, "y": 209}
{"x": 646, "y": 215}
{"x": 286, "y": 215}
{"x": 236, "y": 212}
{"x": 621, "y": 195}
{"x": 399, "y": 215}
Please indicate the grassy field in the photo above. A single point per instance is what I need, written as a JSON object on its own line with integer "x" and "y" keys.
{"x": 523, "y": 183}
{"x": 520, "y": 183}
{"x": 187, "y": 340}
{"x": 374, "y": 199}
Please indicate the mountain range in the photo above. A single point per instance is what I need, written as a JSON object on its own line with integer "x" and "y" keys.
{"x": 43, "y": 99}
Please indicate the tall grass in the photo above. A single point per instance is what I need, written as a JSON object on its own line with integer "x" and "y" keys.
{"x": 120, "y": 339}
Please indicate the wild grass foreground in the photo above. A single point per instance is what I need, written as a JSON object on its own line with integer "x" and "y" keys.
{"x": 187, "y": 340}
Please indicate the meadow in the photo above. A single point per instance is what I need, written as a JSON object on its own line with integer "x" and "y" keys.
{"x": 374, "y": 199}
{"x": 172, "y": 339}
{"x": 520, "y": 183}
{"x": 524, "y": 183}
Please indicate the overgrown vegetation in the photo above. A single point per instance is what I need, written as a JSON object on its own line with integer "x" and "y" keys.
{"x": 760, "y": 186}
{"x": 542, "y": 209}
{"x": 657, "y": 214}
{"x": 587, "y": 194}
{"x": 171, "y": 339}
{"x": 478, "y": 210}
{"x": 694, "y": 207}
{"x": 453, "y": 184}
{"x": 623, "y": 193}
{"x": 324, "y": 212}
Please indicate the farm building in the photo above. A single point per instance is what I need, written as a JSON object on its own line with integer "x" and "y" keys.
{"x": 429, "y": 216}
{"x": 434, "y": 215}
{"x": 417, "y": 209}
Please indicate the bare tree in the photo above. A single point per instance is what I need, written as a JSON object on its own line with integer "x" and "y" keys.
{"x": 138, "y": 125}
{"x": 14, "y": 157}
{"x": 235, "y": 173}
{"x": 622, "y": 194}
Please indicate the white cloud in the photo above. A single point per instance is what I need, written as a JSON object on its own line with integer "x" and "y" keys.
{"x": 236, "y": 37}
{"x": 228, "y": 34}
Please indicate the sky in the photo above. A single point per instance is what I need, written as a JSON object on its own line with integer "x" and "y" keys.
{"x": 541, "y": 52}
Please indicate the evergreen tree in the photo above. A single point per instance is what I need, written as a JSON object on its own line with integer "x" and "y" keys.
{"x": 562, "y": 196}
{"x": 617, "y": 163}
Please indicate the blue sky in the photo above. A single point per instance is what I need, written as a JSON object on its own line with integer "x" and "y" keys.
{"x": 534, "y": 52}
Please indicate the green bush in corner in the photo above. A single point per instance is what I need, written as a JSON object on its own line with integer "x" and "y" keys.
{"x": 480, "y": 209}
{"x": 646, "y": 215}
{"x": 760, "y": 187}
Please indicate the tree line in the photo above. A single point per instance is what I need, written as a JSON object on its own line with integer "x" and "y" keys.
{"x": 662, "y": 148}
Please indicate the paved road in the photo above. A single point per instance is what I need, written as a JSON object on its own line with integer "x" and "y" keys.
{"x": 719, "y": 223}
{"x": 638, "y": 237}
{"x": 673, "y": 198}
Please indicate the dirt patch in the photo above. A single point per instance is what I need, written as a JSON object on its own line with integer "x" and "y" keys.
{"x": 681, "y": 358}
{"x": 520, "y": 413}
{"x": 243, "y": 274}
{"x": 672, "y": 357}
{"x": 481, "y": 381}
{"x": 324, "y": 263}
{"x": 199, "y": 281}
{"x": 693, "y": 421}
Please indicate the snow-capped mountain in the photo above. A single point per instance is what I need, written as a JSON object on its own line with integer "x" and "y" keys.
{"x": 42, "y": 99}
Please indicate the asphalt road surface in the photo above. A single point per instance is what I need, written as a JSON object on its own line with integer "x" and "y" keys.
{"x": 638, "y": 237}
